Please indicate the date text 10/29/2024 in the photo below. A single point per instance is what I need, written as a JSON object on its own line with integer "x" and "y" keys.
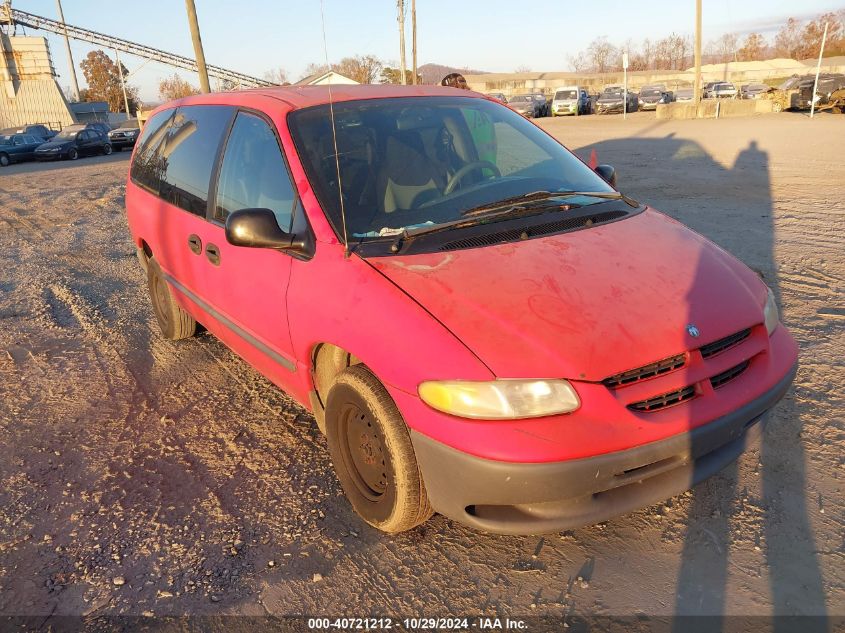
{"x": 414, "y": 624}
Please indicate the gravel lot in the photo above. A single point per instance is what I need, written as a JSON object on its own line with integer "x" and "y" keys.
{"x": 142, "y": 476}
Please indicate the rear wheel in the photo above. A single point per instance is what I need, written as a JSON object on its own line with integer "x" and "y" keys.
{"x": 175, "y": 323}
{"x": 106, "y": 149}
{"x": 72, "y": 153}
{"x": 372, "y": 453}
{"x": 4, "y": 160}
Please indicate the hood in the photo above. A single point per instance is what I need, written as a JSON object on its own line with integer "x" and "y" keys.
{"x": 587, "y": 304}
{"x": 53, "y": 145}
{"x": 124, "y": 130}
{"x": 521, "y": 105}
{"x": 610, "y": 99}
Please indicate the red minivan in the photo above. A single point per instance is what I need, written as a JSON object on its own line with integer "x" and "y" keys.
{"x": 481, "y": 324}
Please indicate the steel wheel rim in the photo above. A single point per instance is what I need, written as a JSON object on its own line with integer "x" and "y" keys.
{"x": 362, "y": 451}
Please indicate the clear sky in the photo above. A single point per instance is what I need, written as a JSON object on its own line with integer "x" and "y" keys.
{"x": 253, "y": 36}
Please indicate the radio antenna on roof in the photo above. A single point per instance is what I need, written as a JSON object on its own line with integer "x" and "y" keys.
{"x": 334, "y": 137}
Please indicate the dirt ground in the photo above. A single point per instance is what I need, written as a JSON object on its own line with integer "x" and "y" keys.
{"x": 140, "y": 476}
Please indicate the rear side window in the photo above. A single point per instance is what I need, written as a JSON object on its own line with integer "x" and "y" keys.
{"x": 253, "y": 174}
{"x": 189, "y": 154}
{"x": 146, "y": 165}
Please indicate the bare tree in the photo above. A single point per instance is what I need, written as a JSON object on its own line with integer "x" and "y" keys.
{"x": 278, "y": 76}
{"x": 726, "y": 47}
{"x": 788, "y": 39}
{"x": 580, "y": 63}
{"x": 604, "y": 56}
{"x": 313, "y": 69}
{"x": 365, "y": 69}
{"x": 522, "y": 69}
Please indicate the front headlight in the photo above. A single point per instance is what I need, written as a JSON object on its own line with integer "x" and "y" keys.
{"x": 770, "y": 313}
{"x": 500, "y": 399}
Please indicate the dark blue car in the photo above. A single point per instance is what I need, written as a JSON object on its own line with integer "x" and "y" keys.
{"x": 16, "y": 148}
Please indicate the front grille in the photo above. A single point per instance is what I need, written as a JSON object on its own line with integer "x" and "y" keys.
{"x": 666, "y": 400}
{"x": 513, "y": 235}
{"x": 726, "y": 376}
{"x": 649, "y": 371}
{"x": 717, "y": 347}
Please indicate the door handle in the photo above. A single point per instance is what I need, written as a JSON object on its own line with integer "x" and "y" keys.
{"x": 213, "y": 254}
{"x": 195, "y": 244}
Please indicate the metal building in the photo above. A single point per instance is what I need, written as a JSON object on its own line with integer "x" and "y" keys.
{"x": 28, "y": 89}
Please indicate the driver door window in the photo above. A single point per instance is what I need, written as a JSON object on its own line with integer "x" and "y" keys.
{"x": 253, "y": 174}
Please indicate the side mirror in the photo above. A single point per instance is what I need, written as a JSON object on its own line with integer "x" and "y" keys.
{"x": 257, "y": 228}
{"x": 607, "y": 173}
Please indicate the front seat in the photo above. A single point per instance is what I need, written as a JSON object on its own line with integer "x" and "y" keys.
{"x": 408, "y": 178}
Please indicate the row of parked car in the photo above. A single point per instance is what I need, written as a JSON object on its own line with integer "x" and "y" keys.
{"x": 795, "y": 93}
{"x": 38, "y": 142}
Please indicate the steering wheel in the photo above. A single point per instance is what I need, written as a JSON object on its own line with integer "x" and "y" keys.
{"x": 463, "y": 171}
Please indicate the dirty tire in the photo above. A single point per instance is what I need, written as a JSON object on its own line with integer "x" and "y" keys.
{"x": 777, "y": 107}
{"x": 106, "y": 149}
{"x": 174, "y": 322}
{"x": 72, "y": 153}
{"x": 372, "y": 453}
{"x": 4, "y": 160}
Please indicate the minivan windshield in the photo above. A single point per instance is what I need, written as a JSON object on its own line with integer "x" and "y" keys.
{"x": 423, "y": 161}
{"x": 566, "y": 94}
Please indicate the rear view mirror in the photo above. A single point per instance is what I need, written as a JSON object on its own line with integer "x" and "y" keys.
{"x": 608, "y": 174}
{"x": 258, "y": 228}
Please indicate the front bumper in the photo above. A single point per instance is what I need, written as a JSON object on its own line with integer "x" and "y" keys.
{"x": 50, "y": 156}
{"x": 528, "y": 498}
{"x": 609, "y": 109}
{"x": 649, "y": 106}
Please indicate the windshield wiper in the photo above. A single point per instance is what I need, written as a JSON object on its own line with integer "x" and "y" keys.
{"x": 534, "y": 203}
{"x": 519, "y": 202}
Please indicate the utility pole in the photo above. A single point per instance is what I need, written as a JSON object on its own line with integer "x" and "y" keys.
{"x": 73, "y": 81}
{"x": 195, "y": 36}
{"x": 400, "y": 5}
{"x": 414, "y": 39}
{"x": 818, "y": 69}
{"x": 697, "y": 94}
{"x": 122, "y": 82}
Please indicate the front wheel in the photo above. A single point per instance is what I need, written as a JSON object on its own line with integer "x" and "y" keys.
{"x": 372, "y": 453}
{"x": 4, "y": 160}
{"x": 175, "y": 322}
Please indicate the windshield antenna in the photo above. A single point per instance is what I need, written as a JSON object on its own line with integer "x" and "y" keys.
{"x": 334, "y": 137}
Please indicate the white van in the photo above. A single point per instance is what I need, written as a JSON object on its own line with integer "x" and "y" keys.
{"x": 570, "y": 100}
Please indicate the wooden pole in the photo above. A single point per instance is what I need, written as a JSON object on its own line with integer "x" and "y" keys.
{"x": 697, "y": 94}
{"x": 195, "y": 36}
{"x": 414, "y": 40}
{"x": 122, "y": 83}
{"x": 400, "y": 5}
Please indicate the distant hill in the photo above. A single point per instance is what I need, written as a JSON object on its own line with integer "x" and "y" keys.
{"x": 433, "y": 73}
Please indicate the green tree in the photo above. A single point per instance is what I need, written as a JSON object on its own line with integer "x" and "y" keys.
{"x": 394, "y": 76}
{"x": 103, "y": 78}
